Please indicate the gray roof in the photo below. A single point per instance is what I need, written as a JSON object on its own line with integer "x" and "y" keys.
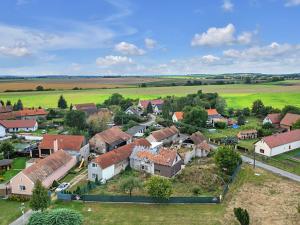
{"x": 135, "y": 129}
{"x": 5, "y": 162}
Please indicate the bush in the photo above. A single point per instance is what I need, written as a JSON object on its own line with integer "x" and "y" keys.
{"x": 220, "y": 125}
{"x": 227, "y": 159}
{"x": 55, "y": 184}
{"x": 159, "y": 187}
{"x": 196, "y": 191}
{"x": 18, "y": 198}
{"x": 242, "y": 216}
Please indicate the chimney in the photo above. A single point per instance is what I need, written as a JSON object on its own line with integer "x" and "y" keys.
{"x": 55, "y": 145}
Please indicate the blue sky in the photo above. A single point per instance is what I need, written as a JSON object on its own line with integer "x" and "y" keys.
{"x": 141, "y": 37}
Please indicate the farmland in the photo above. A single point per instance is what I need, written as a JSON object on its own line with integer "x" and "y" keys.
{"x": 236, "y": 95}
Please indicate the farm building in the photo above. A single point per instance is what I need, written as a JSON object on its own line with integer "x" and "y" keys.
{"x": 273, "y": 118}
{"x": 164, "y": 162}
{"x": 5, "y": 164}
{"x": 73, "y": 144}
{"x": 278, "y": 143}
{"x": 195, "y": 146}
{"x": 156, "y": 105}
{"x": 88, "y": 108}
{"x": 177, "y": 116}
{"x": 247, "y": 134}
{"x": 166, "y": 135}
{"x": 288, "y": 121}
{"x": 13, "y": 126}
{"x": 34, "y": 114}
{"x": 51, "y": 168}
{"x": 112, "y": 163}
{"x": 109, "y": 139}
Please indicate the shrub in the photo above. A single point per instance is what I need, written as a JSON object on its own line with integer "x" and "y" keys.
{"x": 242, "y": 216}
{"x": 220, "y": 125}
{"x": 159, "y": 187}
{"x": 227, "y": 159}
{"x": 196, "y": 191}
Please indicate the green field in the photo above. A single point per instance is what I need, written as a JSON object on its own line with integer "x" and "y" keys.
{"x": 237, "y": 95}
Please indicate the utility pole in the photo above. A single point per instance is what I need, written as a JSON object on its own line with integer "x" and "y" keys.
{"x": 254, "y": 159}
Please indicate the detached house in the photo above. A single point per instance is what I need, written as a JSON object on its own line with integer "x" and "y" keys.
{"x": 12, "y": 126}
{"x": 273, "y": 118}
{"x": 109, "y": 139}
{"x": 247, "y": 134}
{"x": 164, "y": 162}
{"x": 166, "y": 135}
{"x": 27, "y": 114}
{"x": 51, "y": 168}
{"x": 73, "y": 144}
{"x": 88, "y": 108}
{"x": 212, "y": 114}
{"x": 134, "y": 110}
{"x": 112, "y": 163}
{"x": 156, "y": 105}
{"x": 278, "y": 143}
{"x": 288, "y": 121}
{"x": 177, "y": 116}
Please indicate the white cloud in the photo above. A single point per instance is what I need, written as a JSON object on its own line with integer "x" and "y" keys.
{"x": 245, "y": 38}
{"x": 291, "y": 3}
{"x": 150, "y": 43}
{"x": 128, "y": 49}
{"x": 112, "y": 60}
{"x": 14, "y": 51}
{"x": 227, "y": 6}
{"x": 210, "y": 58}
{"x": 215, "y": 36}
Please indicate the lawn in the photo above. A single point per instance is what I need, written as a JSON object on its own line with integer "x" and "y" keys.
{"x": 17, "y": 166}
{"x": 9, "y": 211}
{"x": 237, "y": 95}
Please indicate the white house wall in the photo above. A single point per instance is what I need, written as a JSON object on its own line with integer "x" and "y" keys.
{"x": 2, "y": 131}
{"x": 108, "y": 172}
{"x": 277, "y": 150}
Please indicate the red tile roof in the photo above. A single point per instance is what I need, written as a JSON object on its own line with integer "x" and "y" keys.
{"x": 164, "y": 157}
{"x": 274, "y": 117}
{"x": 282, "y": 138}
{"x": 144, "y": 103}
{"x": 212, "y": 112}
{"x": 7, "y": 116}
{"x": 198, "y": 138}
{"x": 86, "y": 107}
{"x": 112, "y": 135}
{"x": 47, "y": 166}
{"x": 165, "y": 133}
{"x": 289, "y": 119}
{"x": 142, "y": 142}
{"x": 31, "y": 112}
{"x": 179, "y": 115}
{"x": 65, "y": 142}
{"x": 18, "y": 123}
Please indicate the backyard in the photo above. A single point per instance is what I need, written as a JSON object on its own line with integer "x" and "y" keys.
{"x": 17, "y": 165}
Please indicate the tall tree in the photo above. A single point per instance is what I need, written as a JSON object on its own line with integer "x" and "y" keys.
{"x": 8, "y": 103}
{"x": 195, "y": 116}
{"x": 241, "y": 120}
{"x": 159, "y": 187}
{"x": 62, "y": 103}
{"x": 75, "y": 119}
{"x": 130, "y": 184}
{"x": 149, "y": 108}
{"x": 257, "y": 107}
{"x": 40, "y": 199}
{"x": 19, "y": 105}
{"x": 227, "y": 159}
{"x": 7, "y": 149}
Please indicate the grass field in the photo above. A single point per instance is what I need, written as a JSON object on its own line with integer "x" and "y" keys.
{"x": 237, "y": 95}
{"x": 9, "y": 211}
{"x": 17, "y": 166}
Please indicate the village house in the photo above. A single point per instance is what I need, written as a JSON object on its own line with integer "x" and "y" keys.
{"x": 278, "y": 143}
{"x": 164, "y": 162}
{"x": 166, "y": 135}
{"x": 134, "y": 110}
{"x": 288, "y": 121}
{"x": 212, "y": 114}
{"x": 247, "y": 134}
{"x": 177, "y": 116}
{"x": 13, "y": 126}
{"x": 194, "y": 146}
{"x": 88, "y": 108}
{"x": 73, "y": 144}
{"x": 31, "y": 114}
{"x": 273, "y": 118}
{"x": 156, "y": 105}
{"x": 136, "y": 131}
{"x": 109, "y": 139}
{"x": 112, "y": 163}
{"x": 53, "y": 167}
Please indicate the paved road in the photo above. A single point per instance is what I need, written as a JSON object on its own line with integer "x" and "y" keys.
{"x": 272, "y": 169}
{"x": 22, "y": 220}
{"x": 150, "y": 121}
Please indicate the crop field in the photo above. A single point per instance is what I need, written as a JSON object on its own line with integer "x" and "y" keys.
{"x": 237, "y": 95}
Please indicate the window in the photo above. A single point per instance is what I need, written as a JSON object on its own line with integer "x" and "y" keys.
{"x": 262, "y": 151}
{"x": 94, "y": 165}
{"x": 22, "y": 188}
{"x": 94, "y": 176}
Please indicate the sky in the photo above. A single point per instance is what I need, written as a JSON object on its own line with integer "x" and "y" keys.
{"x": 143, "y": 37}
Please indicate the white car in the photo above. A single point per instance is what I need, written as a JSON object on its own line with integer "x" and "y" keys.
{"x": 62, "y": 187}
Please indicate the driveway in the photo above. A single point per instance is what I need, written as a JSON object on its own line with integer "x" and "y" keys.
{"x": 22, "y": 220}
{"x": 272, "y": 169}
{"x": 150, "y": 121}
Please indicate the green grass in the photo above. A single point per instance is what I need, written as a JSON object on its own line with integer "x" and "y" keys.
{"x": 9, "y": 211}
{"x": 17, "y": 166}
{"x": 237, "y": 95}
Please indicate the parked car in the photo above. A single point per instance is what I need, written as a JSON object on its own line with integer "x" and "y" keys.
{"x": 62, "y": 187}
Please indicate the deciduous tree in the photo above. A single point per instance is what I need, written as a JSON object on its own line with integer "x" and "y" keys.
{"x": 159, "y": 187}
{"x": 227, "y": 159}
{"x": 40, "y": 200}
